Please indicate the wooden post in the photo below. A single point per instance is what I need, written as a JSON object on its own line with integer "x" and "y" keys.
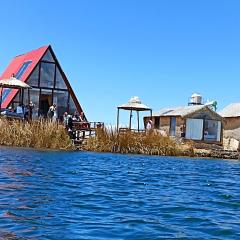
{"x": 130, "y": 120}
{"x": 22, "y": 96}
{"x": 138, "y": 119}
{"x": 29, "y": 107}
{"x": 117, "y": 119}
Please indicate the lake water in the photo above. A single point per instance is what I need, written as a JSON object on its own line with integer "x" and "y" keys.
{"x": 52, "y": 195}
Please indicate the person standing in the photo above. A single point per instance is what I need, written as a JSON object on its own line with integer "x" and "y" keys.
{"x": 52, "y": 111}
{"x": 149, "y": 125}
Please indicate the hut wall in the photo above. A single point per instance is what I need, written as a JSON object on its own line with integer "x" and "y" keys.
{"x": 180, "y": 123}
{"x": 231, "y": 123}
{"x": 165, "y": 125}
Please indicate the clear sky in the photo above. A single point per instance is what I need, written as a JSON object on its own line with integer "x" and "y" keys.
{"x": 161, "y": 51}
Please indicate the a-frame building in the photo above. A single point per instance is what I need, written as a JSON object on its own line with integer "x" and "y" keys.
{"x": 41, "y": 70}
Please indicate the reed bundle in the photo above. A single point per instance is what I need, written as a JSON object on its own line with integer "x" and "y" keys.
{"x": 40, "y": 134}
{"x": 151, "y": 143}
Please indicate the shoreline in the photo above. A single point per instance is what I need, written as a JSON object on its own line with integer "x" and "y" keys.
{"x": 201, "y": 154}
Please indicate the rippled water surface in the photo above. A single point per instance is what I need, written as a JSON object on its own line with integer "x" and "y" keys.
{"x": 52, "y": 195}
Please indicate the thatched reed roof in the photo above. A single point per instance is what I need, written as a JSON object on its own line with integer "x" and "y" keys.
{"x": 178, "y": 111}
{"x": 135, "y": 104}
{"x": 232, "y": 110}
{"x": 13, "y": 83}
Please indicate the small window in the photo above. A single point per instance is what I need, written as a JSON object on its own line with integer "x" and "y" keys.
{"x": 22, "y": 70}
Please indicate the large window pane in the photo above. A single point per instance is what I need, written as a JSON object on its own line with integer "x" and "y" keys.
{"x": 34, "y": 97}
{"x": 72, "y": 106}
{"x": 47, "y": 75}
{"x": 61, "y": 100}
{"x": 59, "y": 80}
{"x": 15, "y": 102}
{"x": 33, "y": 79}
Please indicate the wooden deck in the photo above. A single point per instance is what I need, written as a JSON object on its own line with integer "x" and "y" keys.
{"x": 84, "y": 130}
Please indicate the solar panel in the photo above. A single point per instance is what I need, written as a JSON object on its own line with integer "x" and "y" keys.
{"x": 22, "y": 70}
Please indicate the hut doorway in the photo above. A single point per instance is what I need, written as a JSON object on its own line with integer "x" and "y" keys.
{"x": 44, "y": 104}
{"x": 172, "y": 130}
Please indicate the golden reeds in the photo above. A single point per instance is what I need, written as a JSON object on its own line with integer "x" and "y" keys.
{"x": 151, "y": 142}
{"x": 37, "y": 134}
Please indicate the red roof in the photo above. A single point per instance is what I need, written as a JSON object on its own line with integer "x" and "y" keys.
{"x": 34, "y": 56}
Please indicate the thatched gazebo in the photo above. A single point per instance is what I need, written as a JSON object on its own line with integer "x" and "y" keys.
{"x": 13, "y": 83}
{"x": 134, "y": 104}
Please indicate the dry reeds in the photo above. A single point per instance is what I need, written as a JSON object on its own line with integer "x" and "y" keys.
{"x": 40, "y": 134}
{"x": 151, "y": 143}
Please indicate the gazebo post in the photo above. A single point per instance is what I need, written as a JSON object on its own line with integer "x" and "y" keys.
{"x": 138, "y": 119}
{"x": 28, "y": 96}
{"x": 1, "y": 99}
{"x": 22, "y": 97}
{"x": 134, "y": 104}
{"x": 29, "y": 110}
{"x": 130, "y": 120}
{"x": 117, "y": 119}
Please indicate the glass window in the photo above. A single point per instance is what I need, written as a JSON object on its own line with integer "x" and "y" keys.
{"x": 34, "y": 97}
{"x": 47, "y": 75}
{"x": 59, "y": 80}
{"x": 60, "y": 98}
{"x": 72, "y": 106}
{"x": 212, "y": 130}
{"x": 22, "y": 70}
{"x": 33, "y": 79}
{"x": 16, "y": 101}
{"x": 48, "y": 57}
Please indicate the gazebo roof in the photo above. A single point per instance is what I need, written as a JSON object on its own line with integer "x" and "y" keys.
{"x": 13, "y": 83}
{"x": 135, "y": 104}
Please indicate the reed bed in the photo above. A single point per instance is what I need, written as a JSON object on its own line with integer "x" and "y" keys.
{"x": 42, "y": 134}
{"x": 151, "y": 143}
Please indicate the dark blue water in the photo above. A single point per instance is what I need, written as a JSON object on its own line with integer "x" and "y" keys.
{"x": 50, "y": 195}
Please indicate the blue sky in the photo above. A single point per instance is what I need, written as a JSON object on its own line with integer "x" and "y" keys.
{"x": 161, "y": 51}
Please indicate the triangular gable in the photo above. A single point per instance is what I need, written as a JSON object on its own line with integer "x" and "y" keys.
{"x": 44, "y": 53}
{"x": 205, "y": 108}
{"x": 72, "y": 94}
{"x": 16, "y": 64}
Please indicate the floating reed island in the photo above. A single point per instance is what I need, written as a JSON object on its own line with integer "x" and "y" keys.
{"x": 47, "y": 134}
{"x": 41, "y": 134}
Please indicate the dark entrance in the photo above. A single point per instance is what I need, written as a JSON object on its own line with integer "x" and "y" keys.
{"x": 44, "y": 104}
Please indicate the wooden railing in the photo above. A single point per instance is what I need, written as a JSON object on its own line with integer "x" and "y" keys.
{"x": 83, "y": 130}
{"x": 124, "y": 130}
